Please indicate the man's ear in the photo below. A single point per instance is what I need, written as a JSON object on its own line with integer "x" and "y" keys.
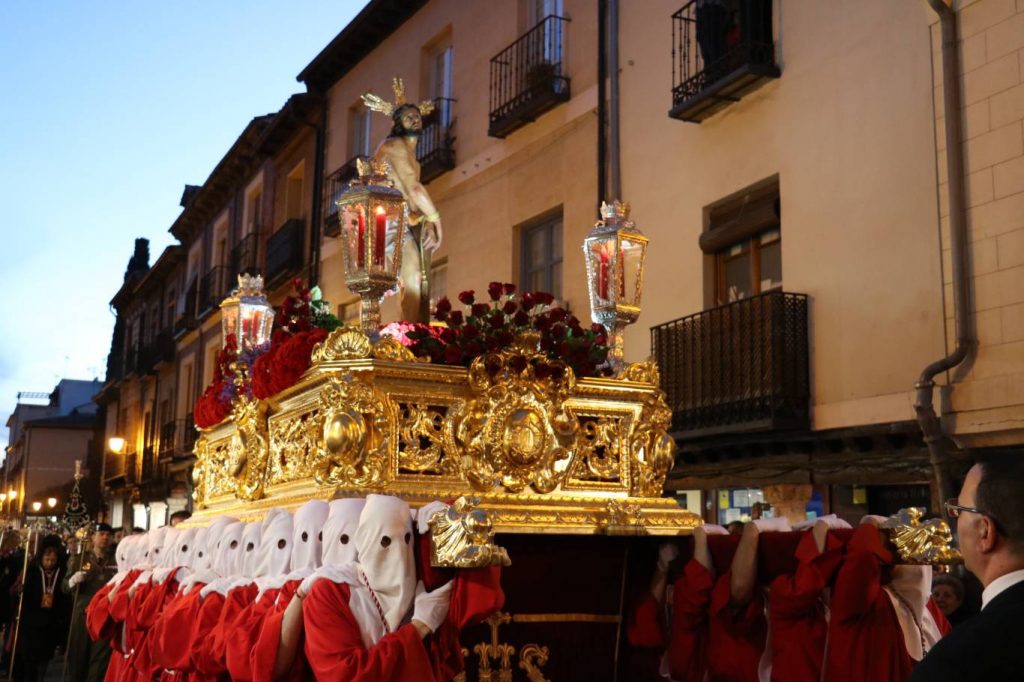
{"x": 987, "y": 535}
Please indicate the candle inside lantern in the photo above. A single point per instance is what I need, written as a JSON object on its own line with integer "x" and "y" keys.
{"x": 380, "y": 236}
{"x": 78, "y": 468}
{"x": 361, "y": 258}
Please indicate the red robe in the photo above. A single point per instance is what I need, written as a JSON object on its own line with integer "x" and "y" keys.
{"x": 865, "y": 638}
{"x": 170, "y": 639}
{"x": 267, "y": 630}
{"x": 100, "y": 625}
{"x": 334, "y": 646}
{"x": 736, "y": 637}
{"x": 245, "y": 628}
{"x": 217, "y": 615}
{"x": 797, "y": 611}
{"x": 119, "y": 669}
{"x": 200, "y": 646}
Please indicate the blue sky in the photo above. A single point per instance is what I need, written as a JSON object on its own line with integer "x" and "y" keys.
{"x": 107, "y": 109}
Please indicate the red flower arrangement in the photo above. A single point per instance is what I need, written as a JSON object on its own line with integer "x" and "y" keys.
{"x": 214, "y": 405}
{"x": 300, "y": 322}
{"x": 486, "y": 327}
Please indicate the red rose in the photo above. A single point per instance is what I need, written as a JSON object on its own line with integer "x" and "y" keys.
{"x": 494, "y": 290}
{"x": 557, "y": 314}
{"x": 455, "y": 319}
{"x": 466, "y": 297}
{"x": 443, "y": 306}
{"x": 521, "y": 319}
{"x": 496, "y": 318}
{"x": 509, "y": 288}
{"x": 452, "y": 355}
{"x": 509, "y": 307}
{"x": 526, "y": 301}
{"x": 470, "y": 331}
{"x": 543, "y": 298}
{"x": 479, "y": 309}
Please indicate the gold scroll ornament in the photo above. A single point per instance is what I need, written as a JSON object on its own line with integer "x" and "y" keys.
{"x": 917, "y": 542}
{"x": 462, "y": 537}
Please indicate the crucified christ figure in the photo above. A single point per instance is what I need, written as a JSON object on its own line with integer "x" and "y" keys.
{"x": 398, "y": 149}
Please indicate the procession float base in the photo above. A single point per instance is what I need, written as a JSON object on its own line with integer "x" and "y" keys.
{"x": 569, "y": 471}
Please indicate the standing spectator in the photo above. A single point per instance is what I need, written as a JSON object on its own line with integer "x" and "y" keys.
{"x": 87, "y": 573}
{"x": 179, "y": 517}
{"x": 990, "y": 526}
{"x": 712, "y": 27}
{"x": 948, "y": 592}
{"x": 44, "y": 611}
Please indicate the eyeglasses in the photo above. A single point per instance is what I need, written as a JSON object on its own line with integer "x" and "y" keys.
{"x": 954, "y": 510}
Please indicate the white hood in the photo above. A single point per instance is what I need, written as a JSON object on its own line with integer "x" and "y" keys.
{"x": 307, "y": 527}
{"x": 251, "y": 547}
{"x": 202, "y": 559}
{"x": 227, "y": 558}
{"x": 339, "y": 536}
{"x": 155, "y": 546}
{"x": 384, "y": 543}
{"x": 275, "y": 550}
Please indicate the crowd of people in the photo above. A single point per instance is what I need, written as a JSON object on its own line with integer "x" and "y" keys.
{"x": 824, "y": 601}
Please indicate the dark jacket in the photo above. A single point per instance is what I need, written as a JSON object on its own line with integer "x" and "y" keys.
{"x": 988, "y": 646}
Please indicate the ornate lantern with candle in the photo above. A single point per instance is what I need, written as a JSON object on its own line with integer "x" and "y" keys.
{"x": 247, "y": 314}
{"x": 371, "y": 211}
{"x": 615, "y": 251}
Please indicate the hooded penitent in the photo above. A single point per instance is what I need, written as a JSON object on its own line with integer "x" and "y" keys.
{"x": 307, "y": 527}
{"x": 201, "y": 557}
{"x": 250, "y": 547}
{"x": 275, "y": 550}
{"x": 185, "y": 548}
{"x": 228, "y": 558}
{"x": 387, "y": 566}
{"x": 155, "y": 546}
{"x": 339, "y": 536}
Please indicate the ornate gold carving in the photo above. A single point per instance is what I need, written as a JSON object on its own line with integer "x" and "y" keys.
{"x": 462, "y": 537}
{"x": 929, "y": 542}
{"x": 645, "y": 372}
{"x": 495, "y": 651}
{"x": 420, "y": 440}
{"x": 344, "y": 343}
{"x": 292, "y": 443}
{"x": 357, "y": 434}
{"x": 651, "y": 450}
{"x": 389, "y": 348}
{"x": 249, "y": 448}
{"x": 599, "y": 450}
{"x": 515, "y": 431}
{"x": 531, "y": 658}
{"x": 199, "y": 471}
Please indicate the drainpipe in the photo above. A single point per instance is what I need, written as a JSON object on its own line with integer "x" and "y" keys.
{"x": 938, "y": 444}
{"x": 318, "y": 190}
{"x": 613, "y": 110}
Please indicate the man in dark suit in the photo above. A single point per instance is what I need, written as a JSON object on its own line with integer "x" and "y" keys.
{"x": 990, "y": 526}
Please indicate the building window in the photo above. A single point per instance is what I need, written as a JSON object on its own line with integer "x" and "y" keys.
{"x": 744, "y": 244}
{"x": 541, "y": 248}
{"x": 441, "y": 82}
{"x": 294, "y": 190}
{"x": 359, "y": 131}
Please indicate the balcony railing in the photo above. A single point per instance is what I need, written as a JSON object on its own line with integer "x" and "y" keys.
{"x": 213, "y": 288}
{"x": 528, "y": 77}
{"x": 244, "y": 257}
{"x": 284, "y": 251}
{"x": 157, "y": 351}
{"x": 187, "y": 319}
{"x": 436, "y": 151}
{"x": 718, "y": 57}
{"x": 738, "y": 367}
{"x": 334, "y": 185}
{"x": 177, "y": 437}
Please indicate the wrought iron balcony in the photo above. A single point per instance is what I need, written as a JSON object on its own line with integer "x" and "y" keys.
{"x": 334, "y": 185}
{"x": 157, "y": 351}
{"x": 167, "y": 433}
{"x": 717, "y": 58}
{"x": 189, "y": 435}
{"x": 528, "y": 77}
{"x": 737, "y": 367}
{"x": 436, "y": 151}
{"x": 187, "y": 319}
{"x": 213, "y": 288}
{"x": 285, "y": 251}
{"x": 177, "y": 438}
{"x": 113, "y": 467}
{"x": 244, "y": 258}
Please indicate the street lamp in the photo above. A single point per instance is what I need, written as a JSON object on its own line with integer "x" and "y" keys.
{"x": 36, "y": 506}
{"x": 116, "y": 444}
{"x": 12, "y": 493}
{"x": 51, "y": 502}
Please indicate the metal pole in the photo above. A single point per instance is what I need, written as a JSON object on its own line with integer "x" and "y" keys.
{"x": 71, "y": 627}
{"x": 21, "y": 602}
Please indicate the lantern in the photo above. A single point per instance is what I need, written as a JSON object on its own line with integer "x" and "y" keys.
{"x": 615, "y": 251}
{"x": 372, "y": 214}
{"x": 247, "y": 314}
